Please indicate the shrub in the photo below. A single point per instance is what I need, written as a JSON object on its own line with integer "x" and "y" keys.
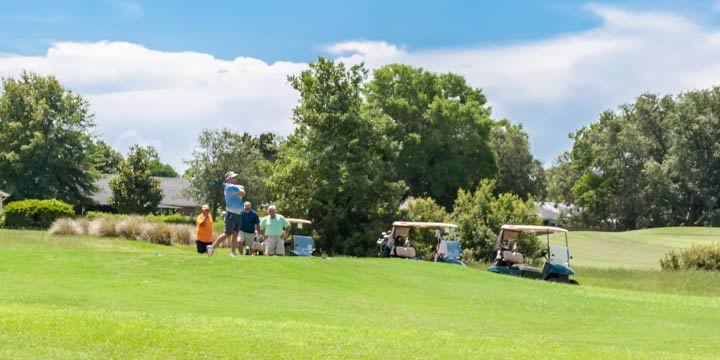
{"x": 131, "y": 227}
{"x": 103, "y": 226}
{"x": 158, "y": 233}
{"x": 92, "y": 215}
{"x": 63, "y": 227}
{"x": 171, "y": 219}
{"x": 82, "y": 226}
{"x": 183, "y": 234}
{"x": 704, "y": 257}
{"x": 35, "y": 214}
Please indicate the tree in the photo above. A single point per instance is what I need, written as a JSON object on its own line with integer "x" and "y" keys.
{"x": 654, "y": 162}
{"x": 560, "y": 179}
{"x": 335, "y": 168}
{"x": 106, "y": 160}
{"x": 220, "y": 151}
{"x": 135, "y": 190}
{"x": 157, "y": 167}
{"x": 45, "y": 141}
{"x": 481, "y": 213}
{"x": 440, "y": 126}
{"x": 518, "y": 172}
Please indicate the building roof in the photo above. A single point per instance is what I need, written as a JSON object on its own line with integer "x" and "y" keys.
{"x": 173, "y": 196}
{"x": 4, "y": 194}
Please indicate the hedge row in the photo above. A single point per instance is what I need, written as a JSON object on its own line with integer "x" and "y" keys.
{"x": 35, "y": 214}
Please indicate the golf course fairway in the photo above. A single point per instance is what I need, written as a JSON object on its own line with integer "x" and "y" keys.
{"x": 89, "y": 298}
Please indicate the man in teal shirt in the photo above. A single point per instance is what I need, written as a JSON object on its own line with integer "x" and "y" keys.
{"x": 276, "y": 229}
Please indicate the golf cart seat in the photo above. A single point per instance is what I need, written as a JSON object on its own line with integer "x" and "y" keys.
{"x": 513, "y": 258}
{"x": 302, "y": 245}
{"x": 406, "y": 252}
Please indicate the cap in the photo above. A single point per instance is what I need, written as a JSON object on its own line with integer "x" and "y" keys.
{"x": 230, "y": 174}
{"x": 205, "y": 207}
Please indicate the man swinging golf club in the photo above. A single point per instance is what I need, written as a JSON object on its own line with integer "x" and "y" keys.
{"x": 233, "y": 209}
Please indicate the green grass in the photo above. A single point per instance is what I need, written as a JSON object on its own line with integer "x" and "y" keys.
{"x": 641, "y": 249}
{"x": 82, "y": 297}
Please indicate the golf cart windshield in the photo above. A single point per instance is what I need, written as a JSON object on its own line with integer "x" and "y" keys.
{"x": 454, "y": 250}
{"x": 559, "y": 253}
{"x": 303, "y": 245}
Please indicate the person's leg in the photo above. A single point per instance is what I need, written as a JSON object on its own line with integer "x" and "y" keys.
{"x": 228, "y": 231}
{"x": 270, "y": 245}
{"x": 234, "y": 241}
{"x": 280, "y": 247}
{"x": 201, "y": 247}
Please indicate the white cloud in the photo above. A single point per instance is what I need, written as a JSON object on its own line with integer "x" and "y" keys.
{"x": 553, "y": 86}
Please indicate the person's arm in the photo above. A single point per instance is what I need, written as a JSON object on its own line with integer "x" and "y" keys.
{"x": 205, "y": 219}
{"x": 286, "y": 233}
{"x": 241, "y": 191}
{"x": 287, "y": 228}
{"x": 261, "y": 229}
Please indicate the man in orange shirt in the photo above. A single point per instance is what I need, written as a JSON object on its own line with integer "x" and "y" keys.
{"x": 204, "y": 232}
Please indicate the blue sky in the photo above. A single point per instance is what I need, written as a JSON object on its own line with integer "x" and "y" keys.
{"x": 150, "y": 68}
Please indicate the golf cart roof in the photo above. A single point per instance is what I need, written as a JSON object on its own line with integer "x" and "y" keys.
{"x": 533, "y": 228}
{"x": 424, "y": 224}
{"x": 298, "y": 221}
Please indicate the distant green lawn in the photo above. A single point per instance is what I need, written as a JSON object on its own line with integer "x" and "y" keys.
{"x": 641, "y": 249}
{"x": 91, "y": 298}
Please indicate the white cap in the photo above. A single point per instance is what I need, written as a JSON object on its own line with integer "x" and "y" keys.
{"x": 230, "y": 174}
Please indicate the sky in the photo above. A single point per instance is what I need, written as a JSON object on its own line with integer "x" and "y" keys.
{"x": 157, "y": 72}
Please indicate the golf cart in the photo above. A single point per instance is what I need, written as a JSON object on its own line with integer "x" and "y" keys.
{"x": 300, "y": 245}
{"x": 396, "y": 242}
{"x": 510, "y": 260}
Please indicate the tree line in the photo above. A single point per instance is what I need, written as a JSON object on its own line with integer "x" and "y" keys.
{"x": 654, "y": 162}
{"x": 363, "y": 145}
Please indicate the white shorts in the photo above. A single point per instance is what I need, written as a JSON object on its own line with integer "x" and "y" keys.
{"x": 274, "y": 245}
{"x": 247, "y": 239}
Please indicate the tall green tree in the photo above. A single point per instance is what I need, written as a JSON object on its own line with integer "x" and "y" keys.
{"x": 220, "y": 151}
{"x": 441, "y": 127}
{"x": 45, "y": 138}
{"x": 654, "y": 162}
{"x": 336, "y": 167}
{"x": 106, "y": 160}
{"x": 518, "y": 171}
{"x": 135, "y": 190}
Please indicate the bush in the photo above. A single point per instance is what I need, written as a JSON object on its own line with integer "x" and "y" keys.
{"x": 82, "y": 227}
{"x": 158, "y": 233}
{"x": 704, "y": 257}
{"x": 183, "y": 234}
{"x": 171, "y": 219}
{"x": 103, "y": 226}
{"x": 131, "y": 227}
{"x": 63, "y": 227}
{"x": 92, "y": 215}
{"x": 35, "y": 214}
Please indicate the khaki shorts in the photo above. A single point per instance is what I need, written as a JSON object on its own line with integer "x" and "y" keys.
{"x": 247, "y": 239}
{"x": 274, "y": 245}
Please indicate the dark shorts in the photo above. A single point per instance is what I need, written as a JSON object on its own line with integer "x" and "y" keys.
{"x": 202, "y": 246}
{"x": 232, "y": 222}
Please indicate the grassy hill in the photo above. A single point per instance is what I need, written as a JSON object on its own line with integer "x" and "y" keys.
{"x": 641, "y": 249}
{"x": 83, "y": 297}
